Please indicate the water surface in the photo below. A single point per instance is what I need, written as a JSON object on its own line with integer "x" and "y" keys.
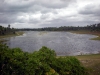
{"x": 64, "y": 43}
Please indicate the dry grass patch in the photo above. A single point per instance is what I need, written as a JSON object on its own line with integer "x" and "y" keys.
{"x": 97, "y": 33}
{"x": 91, "y": 62}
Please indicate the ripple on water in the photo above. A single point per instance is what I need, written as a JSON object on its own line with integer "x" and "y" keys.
{"x": 64, "y": 43}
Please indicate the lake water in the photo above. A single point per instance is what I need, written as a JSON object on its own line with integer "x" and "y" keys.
{"x": 64, "y": 43}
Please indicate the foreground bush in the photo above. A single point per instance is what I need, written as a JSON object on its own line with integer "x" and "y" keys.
{"x": 43, "y": 62}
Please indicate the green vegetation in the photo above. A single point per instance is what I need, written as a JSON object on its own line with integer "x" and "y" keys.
{"x": 18, "y": 33}
{"x": 6, "y": 30}
{"x": 90, "y": 61}
{"x": 43, "y": 62}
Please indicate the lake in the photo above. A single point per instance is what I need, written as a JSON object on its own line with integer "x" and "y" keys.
{"x": 64, "y": 43}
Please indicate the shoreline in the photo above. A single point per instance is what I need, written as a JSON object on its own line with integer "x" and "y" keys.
{"x": 90, "y": 61}
{"x": 10, "y": 35}
{"x": 97, "y": 33}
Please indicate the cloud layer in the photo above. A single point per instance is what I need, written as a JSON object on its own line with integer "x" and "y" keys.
{"x": 49, "y": 13}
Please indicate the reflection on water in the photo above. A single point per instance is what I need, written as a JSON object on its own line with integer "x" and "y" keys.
{"x": 64, "y": 43}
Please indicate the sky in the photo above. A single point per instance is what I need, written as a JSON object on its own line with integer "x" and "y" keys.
{"x": 49, "y": 13}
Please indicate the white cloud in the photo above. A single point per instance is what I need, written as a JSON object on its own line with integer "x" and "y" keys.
{"x": 44, "y": 13}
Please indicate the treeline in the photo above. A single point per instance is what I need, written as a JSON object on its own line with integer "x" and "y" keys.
{"x": 6, "y": 30}
{"x": 43, "y": 62}
{"x": 93, "y": 27}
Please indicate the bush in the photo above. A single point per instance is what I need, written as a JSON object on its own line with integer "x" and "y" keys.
{"x": 43, "y": 62}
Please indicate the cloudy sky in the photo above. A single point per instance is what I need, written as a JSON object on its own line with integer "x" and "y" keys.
{"x": 49, "y": 13}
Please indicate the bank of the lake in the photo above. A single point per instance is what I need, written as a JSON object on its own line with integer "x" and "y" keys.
{"x": 10, "y": 35}
{"x": 90, "y": 61}
{"x": 97, "y": 33}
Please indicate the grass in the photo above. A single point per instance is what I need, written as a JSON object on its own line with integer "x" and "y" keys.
{"x": 97, "y": 33}
{"x": 91, "y": 62}
{"x": 10, "y": 35}
{"x": 97, "y": 38}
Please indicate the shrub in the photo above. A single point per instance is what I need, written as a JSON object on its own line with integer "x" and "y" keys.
{"x": 43, "y": 62}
